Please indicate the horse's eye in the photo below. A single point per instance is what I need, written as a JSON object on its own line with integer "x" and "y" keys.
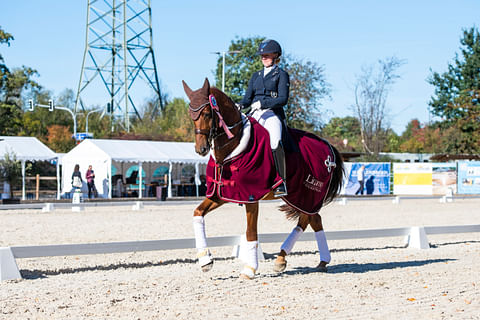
{"x": 207, "y": 115}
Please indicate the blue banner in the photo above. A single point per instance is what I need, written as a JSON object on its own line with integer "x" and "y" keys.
{"x": 376, "y": 178}
{"x": 468, "y": 177}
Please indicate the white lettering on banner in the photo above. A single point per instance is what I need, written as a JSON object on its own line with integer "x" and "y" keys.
{"x": 313, "y": 184}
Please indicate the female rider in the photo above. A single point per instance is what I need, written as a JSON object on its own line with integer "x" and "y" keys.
{"x": 267, "y": 94}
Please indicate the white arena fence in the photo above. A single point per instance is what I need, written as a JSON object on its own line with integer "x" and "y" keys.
{"x": 416, "y": 237}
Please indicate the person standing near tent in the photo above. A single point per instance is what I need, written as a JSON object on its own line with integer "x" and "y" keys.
{"x": 77, "y": 181}
{"x": 90, "y": 176}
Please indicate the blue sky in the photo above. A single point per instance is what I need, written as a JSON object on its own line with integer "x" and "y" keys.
{"x": 340, "y": 35}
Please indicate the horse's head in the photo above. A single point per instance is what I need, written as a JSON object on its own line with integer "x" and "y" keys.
{"x": 211, "y": 111}
{"x": 201, "y": 114}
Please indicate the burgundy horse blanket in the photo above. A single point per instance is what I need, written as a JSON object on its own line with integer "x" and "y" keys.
{"x": 250, "y": 175}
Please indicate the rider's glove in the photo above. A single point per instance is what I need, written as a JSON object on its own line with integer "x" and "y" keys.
{"x": 256, "y": 105}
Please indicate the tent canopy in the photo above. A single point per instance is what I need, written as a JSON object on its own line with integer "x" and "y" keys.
{"x": 102, "y": 154}
{"x": 25, "y": 149}
{"x": 140, "y": 151}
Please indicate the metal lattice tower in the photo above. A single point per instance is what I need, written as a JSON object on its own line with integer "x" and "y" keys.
{"x": 118, "y": 50}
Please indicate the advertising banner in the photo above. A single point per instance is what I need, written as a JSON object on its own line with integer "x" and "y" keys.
{"x": 444, "y": 178}
{"x": 468, "y": 181}
{"x": 367, "y": 178}
{"x": 412, "y": 178}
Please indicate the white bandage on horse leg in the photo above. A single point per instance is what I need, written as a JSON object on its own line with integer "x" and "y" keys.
{"x": 199, "y": 230}
{"x": 203, "y": 254}
{"x": 250, "y": 258}
{"x": 323, "y": 246}
{"x": 288, "y": 244}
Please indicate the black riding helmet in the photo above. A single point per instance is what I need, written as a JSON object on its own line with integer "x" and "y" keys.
{"x": 269, "y": 46}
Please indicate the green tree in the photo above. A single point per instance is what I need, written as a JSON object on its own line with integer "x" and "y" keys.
{"x": 174, "y": 123}
{"x": 462, "y": 77}
{"x": 340, "y": 130}
{"x": 13, "y": 83}
{"x": 10, "y": 170}
{"x": 308, "y": 85}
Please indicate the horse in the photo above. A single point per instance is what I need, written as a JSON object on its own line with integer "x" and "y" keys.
{"x": 241, "y": 170}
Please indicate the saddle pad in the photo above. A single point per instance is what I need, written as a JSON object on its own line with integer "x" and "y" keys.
{"x": 247, "y": 177}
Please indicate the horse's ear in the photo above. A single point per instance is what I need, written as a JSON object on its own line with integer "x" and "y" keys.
{"x": 187, "y": 89}
{"x": 206, "y": 87}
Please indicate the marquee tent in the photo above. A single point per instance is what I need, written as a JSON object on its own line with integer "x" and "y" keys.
{"x": 27, "y": 149}
{"x": 109, "y": 157}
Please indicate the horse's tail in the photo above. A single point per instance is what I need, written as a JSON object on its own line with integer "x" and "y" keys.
{"x": 336, "y": 183}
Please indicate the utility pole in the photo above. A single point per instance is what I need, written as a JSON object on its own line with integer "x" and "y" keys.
{"x": 118, "y": 51}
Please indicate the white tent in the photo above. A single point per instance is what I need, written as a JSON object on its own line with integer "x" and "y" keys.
{"x": 106, "y": 156}
{"x": 27, "y": 149}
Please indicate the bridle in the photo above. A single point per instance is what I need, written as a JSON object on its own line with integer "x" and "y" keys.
{"x": 215, "y": 130}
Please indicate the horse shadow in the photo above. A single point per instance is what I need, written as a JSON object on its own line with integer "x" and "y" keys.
{"x": 367, "y": 267}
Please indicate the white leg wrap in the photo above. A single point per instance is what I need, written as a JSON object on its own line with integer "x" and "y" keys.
{"x": 288, "y": 244}
{"x": 323, "y": 246}
{"x": 199, "y": 230}
{"x": 251, "y": 258}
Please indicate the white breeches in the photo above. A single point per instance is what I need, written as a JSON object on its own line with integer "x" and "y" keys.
{"x": 269, "y": 120}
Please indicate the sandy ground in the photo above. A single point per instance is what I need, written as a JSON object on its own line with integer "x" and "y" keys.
{"x": 367, "y": 278}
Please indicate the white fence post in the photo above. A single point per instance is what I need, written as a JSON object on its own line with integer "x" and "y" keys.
{"x": 48, "y": 207}
{"x": 137, "y": 206}
{"x": 8, "y": 265}
{"x": 418, "y": 238}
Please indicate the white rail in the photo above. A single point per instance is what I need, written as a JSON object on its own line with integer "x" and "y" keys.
{"x": 9, "y": 269}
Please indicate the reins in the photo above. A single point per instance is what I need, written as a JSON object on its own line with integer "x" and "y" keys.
{"x": 213, "y": 133}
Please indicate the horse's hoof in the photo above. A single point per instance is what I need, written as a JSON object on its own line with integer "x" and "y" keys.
{"x": 279, "y": 266}
{"x": 322, "y": 267}
{"x": 205, "y": 260}
{"x": 247, "y": 273}
{"x": 207, "y": 267}
{"x": 244, "y": 276}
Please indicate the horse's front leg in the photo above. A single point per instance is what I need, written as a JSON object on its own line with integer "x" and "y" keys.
{"x": 204, "y": 256}
{"x": 251, "y": 245}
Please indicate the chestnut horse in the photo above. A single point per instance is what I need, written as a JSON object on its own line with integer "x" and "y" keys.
{"x": 220, "y": 127}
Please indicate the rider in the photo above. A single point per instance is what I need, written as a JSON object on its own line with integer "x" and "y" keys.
{"x": 267, "y": 94}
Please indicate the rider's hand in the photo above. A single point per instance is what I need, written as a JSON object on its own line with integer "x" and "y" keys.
{"x": 256, "y": 105}
{"x": 239, "y": 106}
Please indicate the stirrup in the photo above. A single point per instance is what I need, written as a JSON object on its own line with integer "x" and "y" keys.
{"x": 281, "y": 190}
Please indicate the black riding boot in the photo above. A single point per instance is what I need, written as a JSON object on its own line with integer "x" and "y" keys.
{"x": 279, "y": 160}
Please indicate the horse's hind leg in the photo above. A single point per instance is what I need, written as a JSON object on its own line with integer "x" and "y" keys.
{"x": 205, "y": 259}
{"x": 251, "y": 246}
{"x": 287, "y": 246}
{"x": 317, "y": 226}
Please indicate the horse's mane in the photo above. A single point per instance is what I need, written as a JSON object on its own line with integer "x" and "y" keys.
{"x": 222, "y": 98}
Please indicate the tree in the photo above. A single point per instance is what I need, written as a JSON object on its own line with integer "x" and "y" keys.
{"x": 10, "y": 170}
{"x": 461, "y": 79}
{"x": 371, "y": 91}
{"x": 340, "y": 130}
{"x": 59, "y": 138}
{"x": 12, "y": 85}
{"x": 308, "y": 85}
{"x": 174, "y": 123}
{"x": 418, "y": 138}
